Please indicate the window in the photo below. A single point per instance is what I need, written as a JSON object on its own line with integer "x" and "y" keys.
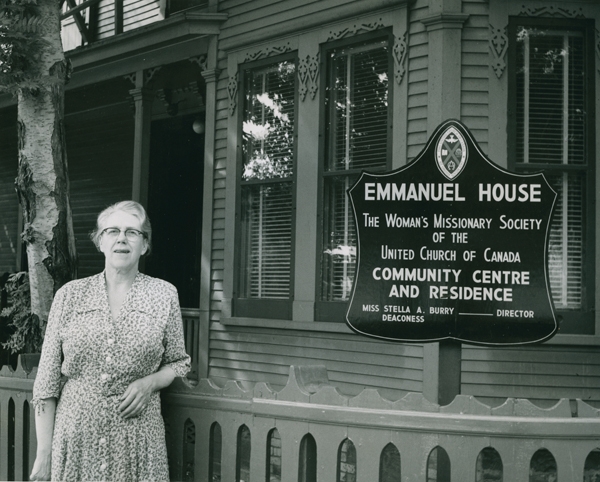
{"x": 266, "y": 211}
{"x": 552, "y": 102}
{"x": 357, "y": 122}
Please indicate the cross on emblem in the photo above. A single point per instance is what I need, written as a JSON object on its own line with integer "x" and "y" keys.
{"x": 451, "y": 153}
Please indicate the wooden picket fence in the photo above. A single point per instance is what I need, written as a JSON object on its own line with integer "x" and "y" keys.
{"x": 308, "y": 432}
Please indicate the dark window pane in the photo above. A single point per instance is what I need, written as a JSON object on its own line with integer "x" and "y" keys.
{"x": 438, "y": 466}
{"x": 307, "y": 465}
{"x": 189, "y": 450}
{"x": 274, "y": 456}
{"x": 242, "y": 469}
{"x": 214, "y": 461}
{"x": 489, "y": 466}
{"x": 389, "y": 464}
{"x": 542, "y": 467}
{"x": 591, "y": 469}
{"x": 346, "y": 464}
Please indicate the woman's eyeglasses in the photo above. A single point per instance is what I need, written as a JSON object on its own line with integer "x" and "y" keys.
{"x": 130, "y": 233}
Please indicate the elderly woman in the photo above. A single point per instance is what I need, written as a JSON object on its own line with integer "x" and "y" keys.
{"x": 117, "y": 339}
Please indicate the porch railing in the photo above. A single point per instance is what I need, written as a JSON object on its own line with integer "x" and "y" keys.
{"x": 17, "y": 424}
{"x": 308, "y": 431}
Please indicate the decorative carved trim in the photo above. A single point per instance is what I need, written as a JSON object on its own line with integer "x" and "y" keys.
{"x": 201, "y": 61}
{"x": 555, "y": 11}
{"x": 232, "y": 88}
{"x": 268, "y": 52}
{"x": 131, "y": 78}
{"x": 552, "y": 10}
{"x": 355, "y": 29}
{"x": 149, "y": 73}
{"x": 167, "y": 96}
{"x": 308, "y": 73}
{"x": 498, "y": 46}
{"x": 400, "y": 50}
{"x": 498, "y": 41}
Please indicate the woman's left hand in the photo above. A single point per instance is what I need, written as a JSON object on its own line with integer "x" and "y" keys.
{"x": 136, "y": 398}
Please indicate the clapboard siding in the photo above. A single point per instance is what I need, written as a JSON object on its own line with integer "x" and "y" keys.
{"x": 9, "y": 204}
{"x": 136, "y": 13}
{"x": 254, "y": 355}
{"x": 100, "y": 173}
{"x": 542, "y": 373}
{"x": 106, "y": 19}
{"x": 475, "y": 70}
{"x": 417, "y": 79}
{"x": 71, "y": 38}
{"x": 260, "y": 20}
{"x": 139, "y": 13}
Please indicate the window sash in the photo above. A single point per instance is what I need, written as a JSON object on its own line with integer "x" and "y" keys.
{"x": 554, "y": 112}
{"x": 551, "y": 101}
{"x": 268, "y": 123}
{"x": 357, "y": 126}
{"x": 566, "y": 240}
{"x": 267, "y": 244}
{"x": 339, "y": 254}
{"x": 266, "y": 192}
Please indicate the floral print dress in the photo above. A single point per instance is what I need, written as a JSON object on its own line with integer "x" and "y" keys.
{"x": 100, "y": 357}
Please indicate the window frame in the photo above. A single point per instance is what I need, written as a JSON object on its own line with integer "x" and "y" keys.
{"x": 262, "y": 307}
{"x": 582, "y": 321}
{"x": 335, "y": 311}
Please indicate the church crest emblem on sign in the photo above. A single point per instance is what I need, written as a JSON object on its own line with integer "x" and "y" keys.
{"x": 451, "y": 153}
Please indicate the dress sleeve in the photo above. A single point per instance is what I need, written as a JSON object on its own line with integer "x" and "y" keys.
{"x": 175, "y": 355}
{"x": 47, "y": 380}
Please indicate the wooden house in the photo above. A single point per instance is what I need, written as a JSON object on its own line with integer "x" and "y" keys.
{"x": 240, "y": 124}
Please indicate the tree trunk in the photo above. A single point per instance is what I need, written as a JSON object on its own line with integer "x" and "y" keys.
{"x": 42, "y": 181}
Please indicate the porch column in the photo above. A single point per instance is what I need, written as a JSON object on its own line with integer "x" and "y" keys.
{"x": 142, "y": 97}
{"x": 442, "y": 361}
{"x": 444, "y": 27}
{"x": 211, "y": 76}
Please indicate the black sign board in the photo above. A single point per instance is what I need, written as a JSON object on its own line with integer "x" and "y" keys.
{"x": 452, "y": 246}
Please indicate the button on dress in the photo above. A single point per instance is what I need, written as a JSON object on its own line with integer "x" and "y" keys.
{"x": 100, "y": 357}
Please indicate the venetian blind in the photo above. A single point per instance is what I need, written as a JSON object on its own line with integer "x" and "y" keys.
{"x": 357, "y": 138}
{"x": 267, "y": 196}
{"x": 551, "y": 127}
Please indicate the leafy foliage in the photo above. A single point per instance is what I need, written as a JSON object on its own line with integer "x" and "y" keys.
{"x": 28, "y": 336}
{"x": 21, "y": 42}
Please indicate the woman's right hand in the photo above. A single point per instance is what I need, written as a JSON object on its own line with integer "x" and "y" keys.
{"x": 41, "y": 467}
